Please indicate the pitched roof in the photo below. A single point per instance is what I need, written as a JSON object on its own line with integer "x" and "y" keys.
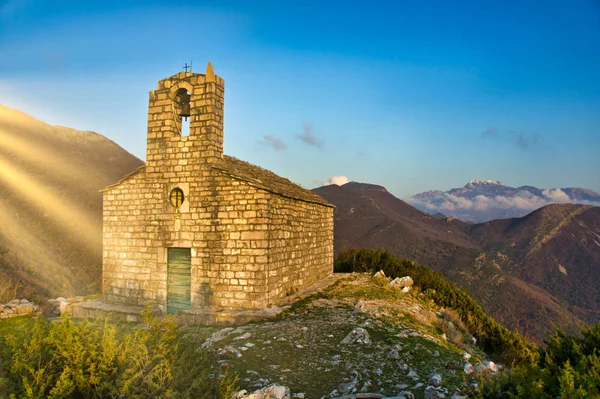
{"x": 266, "y": 180}
{"x": 124, "y": 178}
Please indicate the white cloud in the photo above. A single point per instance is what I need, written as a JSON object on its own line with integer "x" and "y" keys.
{"x": 556, "y": 195}
{"x": 522, "y": 203}
{"x": 339, "y": 180}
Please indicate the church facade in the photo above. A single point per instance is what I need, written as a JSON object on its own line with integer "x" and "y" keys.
{"x": 196, "y": 230}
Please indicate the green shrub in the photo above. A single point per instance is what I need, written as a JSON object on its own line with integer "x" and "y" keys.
{"x": 505, "y": 345}
{"x": 568, "y": 368}
{"x": 90, "y": 359}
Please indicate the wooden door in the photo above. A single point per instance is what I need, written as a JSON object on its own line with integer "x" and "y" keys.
{"x": 179, "y": 261}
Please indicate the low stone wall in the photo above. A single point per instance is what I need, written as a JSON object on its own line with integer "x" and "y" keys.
{"x": 17, "y": 307}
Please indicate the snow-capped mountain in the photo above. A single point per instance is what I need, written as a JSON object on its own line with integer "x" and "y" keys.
{"x": 483, "y": 200}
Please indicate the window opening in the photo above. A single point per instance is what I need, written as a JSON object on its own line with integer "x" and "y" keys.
{"x": 176, "y": 197}
{"x": 185, "y": 127}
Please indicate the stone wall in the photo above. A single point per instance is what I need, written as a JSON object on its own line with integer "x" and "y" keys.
{"x": 301, "y": 245}
{"x": 249, "y": 246}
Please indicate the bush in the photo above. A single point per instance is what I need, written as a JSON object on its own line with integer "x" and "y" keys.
{"x": 507, "y": 346}
{"x": 89, "y": 359}
{"x": 568, "y": 368}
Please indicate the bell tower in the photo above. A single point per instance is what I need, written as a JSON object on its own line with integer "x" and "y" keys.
{"x": 199, "y": 97}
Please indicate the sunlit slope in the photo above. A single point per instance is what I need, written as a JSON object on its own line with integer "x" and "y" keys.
{"x": 50, "y": 205}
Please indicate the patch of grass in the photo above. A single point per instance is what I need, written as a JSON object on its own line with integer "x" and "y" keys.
{"x": 15, "y": 324}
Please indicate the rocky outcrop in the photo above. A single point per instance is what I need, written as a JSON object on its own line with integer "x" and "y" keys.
{"x": 18, "y": 307}
{"x": 271, "y": 392}
{"x": 60, "y": 305}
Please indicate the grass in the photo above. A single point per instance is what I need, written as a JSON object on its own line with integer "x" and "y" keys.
{"x": 8, "y": 326}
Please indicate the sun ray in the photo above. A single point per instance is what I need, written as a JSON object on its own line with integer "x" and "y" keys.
{"x": 69, "y": 215}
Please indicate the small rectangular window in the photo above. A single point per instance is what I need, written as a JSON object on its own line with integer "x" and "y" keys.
{"x": 185, "y": 127}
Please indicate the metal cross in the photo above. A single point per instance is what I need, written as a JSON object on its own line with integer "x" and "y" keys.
{"x": 186, "y": 66}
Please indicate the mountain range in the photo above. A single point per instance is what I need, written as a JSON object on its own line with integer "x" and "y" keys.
{"x": 50, "y": 205}
{"x": 484, "y": 200}
{"x": 528, "y": 272}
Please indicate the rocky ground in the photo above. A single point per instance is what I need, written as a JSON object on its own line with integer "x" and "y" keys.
{"x": 362, "y": 335}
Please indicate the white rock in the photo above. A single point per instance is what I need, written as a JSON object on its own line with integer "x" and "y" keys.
{"x": 434, "y": 379}
{"x": 406, "y": 281}
{"x": 379, "y": 274}
{"x": 243, "y": 337}
{"x": 405, "y": 290}
{"x": 347, "y": 387}
{"x": 413, "y": 374}
{"x": 466, "y": 356}
{"x": 359, "y": 335}
{"x": 491, "y": 366}
{"x": 468, "y": 368}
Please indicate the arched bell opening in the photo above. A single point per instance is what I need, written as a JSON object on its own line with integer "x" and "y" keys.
{"x": 182, "y": 103}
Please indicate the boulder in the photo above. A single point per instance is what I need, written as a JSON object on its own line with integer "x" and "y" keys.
{"x": 379, "y": 274}
{"x": 468, "y": 368}
{"x": 493, "y": 367}
{"x": 24, "y": 308}
{"x": 413, "y": 375}
{"x": 271, "y": 392}
{"x": 359, "y": 336}
{"x": 406, "y": 281}
{"x": 405, "y": 290}
{"x": 434, "y": 379}
{"x": 400, "y": 283}
{"x": 64, "y": 305}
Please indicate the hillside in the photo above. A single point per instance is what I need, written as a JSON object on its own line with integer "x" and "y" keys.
{"x": 513, "y": 267}
{"x": 50, "y": 205}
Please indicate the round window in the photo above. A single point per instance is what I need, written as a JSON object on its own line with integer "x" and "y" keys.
{"x": 176, "y": 197}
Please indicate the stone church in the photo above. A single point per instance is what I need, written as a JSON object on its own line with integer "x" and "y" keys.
{"x": 195, "y": 230}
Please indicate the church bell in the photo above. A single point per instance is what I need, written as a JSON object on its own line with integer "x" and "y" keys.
{"x": 184, "y": 102}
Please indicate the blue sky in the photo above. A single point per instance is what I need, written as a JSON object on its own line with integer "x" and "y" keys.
{"x": 411, "y": 95}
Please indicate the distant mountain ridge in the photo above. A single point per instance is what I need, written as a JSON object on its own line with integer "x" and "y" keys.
{"x": 484, "y": 200}
{"x": 528, "y": 272}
